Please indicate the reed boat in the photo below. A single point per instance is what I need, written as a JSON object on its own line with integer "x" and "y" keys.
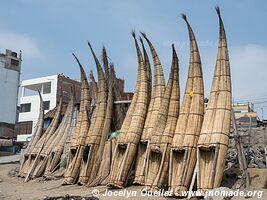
{"x": 36, "y": 135}
{"x": 214, "y": 136}
{"x": 94, "y": 135}
{"x": 99, "y": 172}
{"x": 153, "y": 110}
{"x": 126, "y": 146}
{"x": 78, "y": 138}
{"x": 44, "y": 145}
{"x": 61, "y": 134}
{"x": 158, "y": 152}
{"x": 183, "y": 153}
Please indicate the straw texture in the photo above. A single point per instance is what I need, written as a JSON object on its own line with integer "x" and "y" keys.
{"x": 94, "y": 134}
{"x": 44, "y": 145}
{"x": 79, "y": 136}
{"x": 93, "y": 88}
{"x": 213, "y": 141}
{"x": 126, "y": 147}
{"x": 153, "y": 110}
{"x": 59, "y": 141}
{"x": 159, "y": 146}
{"x": 37, "y": 134}
{"x": 106, "y": 129}
{"x": 183, "y": 148}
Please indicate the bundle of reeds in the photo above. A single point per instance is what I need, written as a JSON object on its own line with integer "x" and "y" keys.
{"x": 80, "y": 133}
{"x": 59, "y": 141}
{"x": 37, "y": 134}
{"x": 158, "y": 149}
{"x": 153, "y": 110}
{"x": 43, "y": 146}
{"x": 126, "y": 147}
{"x": 213, "y": 141}
{"x": 106, "y": 162}
{"x": 94, "y": 135}
{"x": 96, "y": 172}
{"x": 183, "y": 149}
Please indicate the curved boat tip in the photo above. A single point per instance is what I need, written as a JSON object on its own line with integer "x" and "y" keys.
{"x": 105, "y": 63}
{"x": 83, "y": 74}
{"x": 100, "y": 72}
{"x": 222, "y": 31}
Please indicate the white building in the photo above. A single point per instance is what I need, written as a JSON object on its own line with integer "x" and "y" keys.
{"x": 10, "y": 66}
{"x": 51, "y": 88}
{"x": 30, "y": 100}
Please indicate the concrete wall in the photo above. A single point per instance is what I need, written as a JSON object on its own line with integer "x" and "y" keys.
{"x": 9, "y": 83}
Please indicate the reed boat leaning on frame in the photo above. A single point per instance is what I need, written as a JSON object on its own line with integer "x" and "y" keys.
{"x": 183, "y": 153}
{"x": 80, "y": 133}
{"x": 214, "y": 137}
{"x": 61, "y": 134}
{"x": 100, "y": 171}
{"x": 94, "y": 135}
{"x": 153, "y": 110}
{"x": 126, "y": 147}
{"x": 45, "y": 144}
{"x": 37, "y": 134}
{"x": 157, "y": 160}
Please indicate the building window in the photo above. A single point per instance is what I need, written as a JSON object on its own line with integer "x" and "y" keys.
{"x": 47, "y": 88}
{"x": 26, "y": 107}
{"x": 14, "y": 62}
{"x": 46, "y": 105}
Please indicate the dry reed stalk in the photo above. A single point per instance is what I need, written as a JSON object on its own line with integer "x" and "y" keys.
{"x": 80, "y": 132}
{"x": 152, "y": 114}
{"x": 183, "y": 148}
{"x": 37, "y": 134}
{"x": 94, "y": 134}
{"x": 214, "y": 137}
{"x": 159, "y": 146}
{"x": 126, "y": 147}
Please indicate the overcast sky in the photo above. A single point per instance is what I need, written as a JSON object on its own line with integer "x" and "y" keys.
{"x": 48, "y": 31}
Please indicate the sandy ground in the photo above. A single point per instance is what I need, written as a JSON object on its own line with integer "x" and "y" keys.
{"x": 13, "y": 188}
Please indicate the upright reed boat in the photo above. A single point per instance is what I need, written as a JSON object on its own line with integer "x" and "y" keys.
{"x": 153, "y": 111}
{"x": 213, "y": 141}
{"x": 36, "y": 135}
{"x": 183, "y": 154}
{"x": 78, "y": 138}
{"x": 59, "y": 140}
{"x": 126, "y": 147}
{"x": 94, "y": 135}
{"x": 158, "y": 150}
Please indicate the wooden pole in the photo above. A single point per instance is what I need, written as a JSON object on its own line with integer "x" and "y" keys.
{"x": 240, "y": 152}
{"x": 34, "y": 162}
{"x": 192, "y": 182}
{"x": 249, "y": 133}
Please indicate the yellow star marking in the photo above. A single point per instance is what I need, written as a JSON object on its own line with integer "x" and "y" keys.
{"x": 191, "y": 94}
